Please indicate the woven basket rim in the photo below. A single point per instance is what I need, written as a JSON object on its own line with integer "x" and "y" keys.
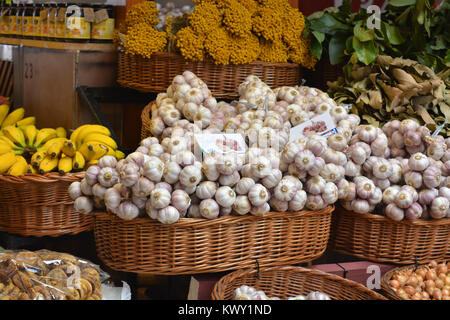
{"x": 387, "y": 276}
{"x": 229, "y": 278}
{"x": 199, "y": 222}
{"x": 209, "y": 60}
{"x": 378, "y": 218}
{"x": 44, "y": 178}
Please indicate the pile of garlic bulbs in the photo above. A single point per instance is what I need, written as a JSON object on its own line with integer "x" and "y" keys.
{"x": 245, "y": 292}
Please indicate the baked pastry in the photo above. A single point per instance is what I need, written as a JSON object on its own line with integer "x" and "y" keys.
{"x": 47, "y": 275}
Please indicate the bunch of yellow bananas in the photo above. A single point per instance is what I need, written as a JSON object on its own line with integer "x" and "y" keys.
{"x": 26, "y": 149}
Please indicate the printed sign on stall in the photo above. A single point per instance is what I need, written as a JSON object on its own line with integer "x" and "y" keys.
{"x": 221, "y": 143}
{"x": 322, "y": 124}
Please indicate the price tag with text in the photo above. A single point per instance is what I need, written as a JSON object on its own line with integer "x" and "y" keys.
{"x": 221, "y": 143}
{"x": 322, "y": 124}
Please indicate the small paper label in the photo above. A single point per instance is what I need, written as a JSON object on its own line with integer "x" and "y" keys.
{"x": 322, "y": 124}
{"x": 101, "y": 15}
{"x": 61, "y": 17}
{"x": 221, "y": 143}
{"x": 89, "y": 14}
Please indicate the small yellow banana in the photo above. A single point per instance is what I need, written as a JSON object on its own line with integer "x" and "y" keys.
{"x": 78, "y": 162}
{"x": 30, "y": 133}
{"x": 93, "y": 151}
{"x": 26, "y": 122}
{"x": 31, "y": 169}
{"x": 48, "y": 164}
{"x": 61, "y": 132}
{"x": 12, "y": 118}
{"x": 4, "y": 109}
{"x": 69, "y": 148}
{"x": 93, "y": 128}
{"x": 50, "y": 142}
{"x": 65, "y": 164}
{"x": 5, "y": 148}
{"x": 74, "y": 134}
{"x": 19, "y": 168}
{"x": 119, "y": 155}
{"x": 37, "y": 158}
{"x": 44, "y": 135}
{"x": 101, "y": 138}
{"x": 6, "y": 161}
{"x": 15, "y": 135}
{"x": 54, "y": 150}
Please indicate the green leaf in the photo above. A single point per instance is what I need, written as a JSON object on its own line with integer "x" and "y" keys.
{"x": 366, "y": 51}
{"x": 316, "y": 48}
{"x": 363, "y": 34}
{"x": 328, "y": 24}
{"x": 319, "y": 36}
{"x": 401, "y": 3}
{"x": 393, "y": 34}
{"x": 336, "y": 49}
{"x": 349, "y": 44}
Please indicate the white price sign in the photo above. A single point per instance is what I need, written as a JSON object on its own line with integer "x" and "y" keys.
{"x": 221, "y": 143}
{"x": 322, "y": 124}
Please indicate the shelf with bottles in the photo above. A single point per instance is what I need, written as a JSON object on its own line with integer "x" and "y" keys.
{"x": 57, "y": 22}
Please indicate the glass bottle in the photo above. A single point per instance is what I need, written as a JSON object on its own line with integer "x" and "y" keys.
{"x": 77, "y": 28}
{"x": 104, "y": 31}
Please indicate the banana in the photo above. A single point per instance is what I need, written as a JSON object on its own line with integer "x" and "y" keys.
{"x": 93, "y": 151}
{"x": 12, "y": 118}
{"x": 31, "y": 169}
{"x": 48, "y": 164}
{"x": 119, "y": 155}
{"x": 50, "y": 142}
{"x": 30, "y": 133}
{"x": 111, "y": 152}
{"x": 6, "y": 161}
{"x": 78, "y": 161}
{"x": 93, "y": 128}
{"x": 4, "y": 109}
{"x": 101, "y": 138}
{"x": 15, "y": 135}
{"x": 68, "y": 148}
{"x": 37, "y": 158}
{"x": 44, "y": 135}
{"x": 74, "y": 134}
{"x": 19, "y": 168}
{"x": 26, "y": 122}
{"x": 5, "y": 148}
{"x": 16, "y": 149}
{"x": 61, "y": 132}
{"x": 65, "y": 164}
{"x": 54, "y": 150}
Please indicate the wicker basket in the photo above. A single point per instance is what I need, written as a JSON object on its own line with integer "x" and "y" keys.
{"x": 156, "y": 74}
{"x": 380, "y": 239}
{"x": 387, "y": 291}
{"x": 39, "y": 205}
{"x": 193, "y": 246}
{"x": 145, "y": 118}
{"x": 289, "y": 281}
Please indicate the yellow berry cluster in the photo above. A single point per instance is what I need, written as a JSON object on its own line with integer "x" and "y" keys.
{"x": 143, "y": 12}
{"x": 144, "y": 40}
{"x": 242, "y": 31}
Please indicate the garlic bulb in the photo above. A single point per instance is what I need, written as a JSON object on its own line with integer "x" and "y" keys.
{"x": 382, "y": 168}
{"x": 180, "y": 200}
{"x": 432, "y": 177}
{"x": 160, "y": 198}
{"x": 194, "y": 211}
{"x": 91, "y": 175}
{"x": 330, "y": 193}
{"x": 129, "y": 174}
{"x": 171, "y": 172}
{"x": 418, "y": 162}
{"x": 413, "y": 212}
{"x": 230, "y": 180}
{"x": 337, "y": 142}
{"x": 285, "y": 190}
{"x": 75, "y": 190}
{"x": 262, "y": 210}
{"x": 190, "y": 176}
{"x": 317, "y": 296}
{"x": 304, "y": 160}
{"x": 278, "y": 205}
{"x": 360, "y": 206}
{"x": 404, "y": 199}
{"x": 413, "y": 179}
{"x": 153, "y": 169}
{"x": 206, "y": 190}
{"x": 298, "y": 202}
{"x": 83, "y": 205}
{"x": 209, "y": 209}
{"x": 394, "y": 212}
{"x": 258, "y": 195}
{"x": 242, "y": 205}
{"x": 261, "y": 167}
{"x": 127, "y": 211}
{"x": 365, "y": 188}
{"x": 108, "y": 177}
{"x": 331, "y": 173}
{"x": 107, "y": 162}
{"x": 439, "y": 208}
{"x": 225, "y": 196}
{"x": 244, "y": 185}
{"x": 315, "y": 185}
{"x": 86, "y": 188}
{"x": 315, "y": 202}
{"x": 168, "y": 215}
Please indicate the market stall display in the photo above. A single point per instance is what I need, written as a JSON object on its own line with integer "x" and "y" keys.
{"x": 47, "y": 275}
{"x": 418, "y": 282}
{"x": 249, "y": 293}
{"x": 288, "y": 281}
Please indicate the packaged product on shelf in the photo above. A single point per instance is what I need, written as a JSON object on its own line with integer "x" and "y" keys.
{"x": 103, "y": 26}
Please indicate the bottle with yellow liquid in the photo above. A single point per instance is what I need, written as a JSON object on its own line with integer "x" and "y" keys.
{"x": 77, "y": 29}
{"x": 4, "y": 19}
{"x": 60, "y": 24}
{"x": 103, "y": 31}
{"x": 43, "y": 21}
{"x": 27, "y": 22}
{"x": 12, "y": 26}
{"x": 37, "y": 22}
{"x": 19, "y": 27}
{"x": 51, "y": 22}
